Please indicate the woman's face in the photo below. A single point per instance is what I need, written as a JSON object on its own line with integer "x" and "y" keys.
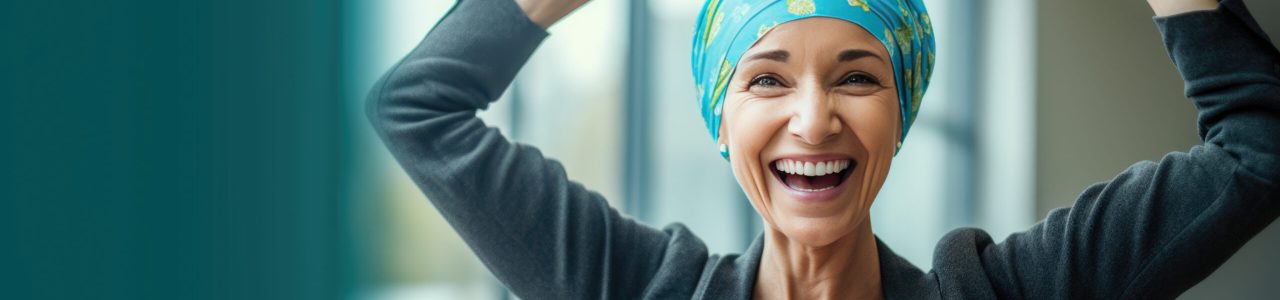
{"x": 811, "y": 120}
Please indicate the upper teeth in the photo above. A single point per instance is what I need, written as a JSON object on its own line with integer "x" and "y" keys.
{"x": 808, "y": 168}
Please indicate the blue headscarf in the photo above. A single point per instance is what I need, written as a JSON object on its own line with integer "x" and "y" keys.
{"x": 727, "y": 28}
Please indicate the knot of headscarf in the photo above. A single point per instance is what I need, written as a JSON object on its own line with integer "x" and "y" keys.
{"x": 727, "y": 28}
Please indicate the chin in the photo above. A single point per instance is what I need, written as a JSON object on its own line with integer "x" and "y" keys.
{"x": 817, "y": 232}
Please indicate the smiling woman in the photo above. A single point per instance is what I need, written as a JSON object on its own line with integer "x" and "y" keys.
{"x": 809, "y": 101}
{"x": 807, "y": 97}
{"x": 800, "y": 85}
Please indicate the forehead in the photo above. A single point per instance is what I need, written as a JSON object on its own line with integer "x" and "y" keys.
{"x": 818, "y": 35}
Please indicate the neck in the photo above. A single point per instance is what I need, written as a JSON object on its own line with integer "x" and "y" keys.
{"x": 848, "y": 268}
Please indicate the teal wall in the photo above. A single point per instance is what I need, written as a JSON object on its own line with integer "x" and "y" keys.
{"x": 173, "y": 150}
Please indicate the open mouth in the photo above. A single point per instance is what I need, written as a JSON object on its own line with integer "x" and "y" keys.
{"x": 813, "y": 176}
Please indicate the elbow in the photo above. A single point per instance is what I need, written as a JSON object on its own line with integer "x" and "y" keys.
{"x": 385, "y": 98}
{"x": 1243, "y": 122}
{"x": 1257, "y": 157}
{"x": 413, "y": 93}
{"x": 420, "y": 95}
{"x": 1267, "y": 169}
{"x": 1258, "y": 150}
{"x": 374, "y": 105}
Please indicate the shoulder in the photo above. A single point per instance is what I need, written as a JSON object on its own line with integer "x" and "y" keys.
{"x": 958, "y": 264}
{"x": 730, "y": 276}
{"x": 958, "y": 269}
{"x": 681, "y": 267}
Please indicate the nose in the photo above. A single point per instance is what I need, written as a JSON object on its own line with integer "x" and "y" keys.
{"x": 814, "y": 118}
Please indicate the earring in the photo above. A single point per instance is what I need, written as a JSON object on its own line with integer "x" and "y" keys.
{"x": 724, "y": 151}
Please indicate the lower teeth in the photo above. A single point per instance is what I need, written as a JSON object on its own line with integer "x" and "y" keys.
{"x": 811, "y": 184}
{"x": 817, "y": 190}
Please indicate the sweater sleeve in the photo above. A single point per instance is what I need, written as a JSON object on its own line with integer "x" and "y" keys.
{"x": 1159, "y": 228}
{"x": 542, "y": 235}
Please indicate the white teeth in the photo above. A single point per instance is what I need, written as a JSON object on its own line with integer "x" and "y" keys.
{"x": 808, "y": 168}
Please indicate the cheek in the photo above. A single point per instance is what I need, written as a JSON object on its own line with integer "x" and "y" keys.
{"x": 875, "y": 123}
{"x": 751, "y": 125}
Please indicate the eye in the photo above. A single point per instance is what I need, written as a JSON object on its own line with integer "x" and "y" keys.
{"x": 859, "y": 79}
{"x": 766, "y": 80}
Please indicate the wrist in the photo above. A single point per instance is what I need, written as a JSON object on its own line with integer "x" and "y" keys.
{"x": 1172, "y": 7}
{"x": 547, "y": 12}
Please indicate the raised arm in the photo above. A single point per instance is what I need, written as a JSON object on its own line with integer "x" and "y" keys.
{"x": 1159, "y": 228}
{"x": 542, "y": 235}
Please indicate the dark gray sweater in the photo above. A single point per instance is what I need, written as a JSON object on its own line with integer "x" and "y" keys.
{"x": 1153, "y": 231}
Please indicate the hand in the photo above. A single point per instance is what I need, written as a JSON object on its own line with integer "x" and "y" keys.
{"x": 547, "y": 12}
{"x": 1173, "y": 7}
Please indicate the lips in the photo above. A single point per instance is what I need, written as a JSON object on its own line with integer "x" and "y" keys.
{"x": 812, "y": 175}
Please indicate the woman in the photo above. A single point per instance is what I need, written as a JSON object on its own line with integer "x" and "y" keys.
{"x": 809, "y": 101}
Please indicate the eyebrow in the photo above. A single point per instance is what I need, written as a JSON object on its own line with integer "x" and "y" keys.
{"x": 846, "y": 55}
{"x": 777, "y": 55}
{"x": 853, "y": 54}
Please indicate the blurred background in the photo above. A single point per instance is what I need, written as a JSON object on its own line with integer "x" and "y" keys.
{"x": 219, "y": 150}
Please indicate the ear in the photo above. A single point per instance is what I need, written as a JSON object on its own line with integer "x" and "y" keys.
{"x": 897, "y": 137}
{"x": 897, "y": 132}
{"x": 722, "y": 136}
{"x": 722, "y": 141}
